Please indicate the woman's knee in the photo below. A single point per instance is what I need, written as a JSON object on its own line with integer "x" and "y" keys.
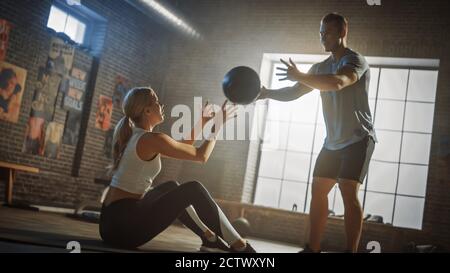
{"x": 195, "y": 186}
{"x": 172, "y": 183}
{"x": 169, "y": 185}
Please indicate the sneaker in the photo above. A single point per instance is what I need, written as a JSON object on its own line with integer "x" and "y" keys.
{"x": 307, "y": 249}
{"x": 218, "y": 246}
{"x": 248, "y": 249}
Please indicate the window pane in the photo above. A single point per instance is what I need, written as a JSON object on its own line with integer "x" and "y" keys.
{"x": 361, "y": 196}
{"x": 304, "y": 109}
{"x": 313, "y": 164}
{"x": 422, "y": 85}
{"x": 293, "y": 193}
{"x": 297, "y": 166}
{"x": 304, "y": 67}
{"x": 416, "y": 148}
{"x": 382, "y": 176}
{"x": 419, "y": 117}
{"x": 73, "y": 28}
{"x": 409, "y": 212}
{"x": 271, "y": 164}
{"x": 79, "y": 38}
{"x": 393, "y": 83}
{"x": 412, "y": 180}
{"x": 374, "y": 74}
{"x": 301, "y": 137}
{"x": 267, "y": 192}
{"x": 279, "y": 111}
{"x": 372, "y": 107}
{"x": 275, "y": 135}
{"x": 319, "y": 138}
{"x": 380, "y": 204}
{"x": 389, "y": 115}
{"x": 338, "y": 205}
{"x": 320, "y": 119}
{"x": 57, "y": 19}
{"x": 388, "y": 146}
{"x": 308, "y": 201}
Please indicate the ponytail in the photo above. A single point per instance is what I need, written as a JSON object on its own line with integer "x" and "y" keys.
{"x": 122, "y": 134}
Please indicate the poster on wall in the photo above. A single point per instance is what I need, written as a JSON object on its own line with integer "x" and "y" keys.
{"x": 104, "y": 111}
{"x": 107, "y": 148}
{"x": 12, "y": 86}
{"x": 121, "y": 88}
{"x": 78, "y": 74}
{"x": 34, "y": 136}
{"x": 45, "y": 93}
{"x": 5, "y": 28}
{"x": 60, "y": 57}
{"x": 53, "y": 137}
{"x": 73, "y": 88}
{"x": 73, "y": 123}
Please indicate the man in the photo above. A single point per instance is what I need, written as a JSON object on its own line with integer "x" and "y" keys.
{"x": 343, "y": 82}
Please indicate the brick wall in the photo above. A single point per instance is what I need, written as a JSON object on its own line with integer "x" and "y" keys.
{"x": 134, "y": 48}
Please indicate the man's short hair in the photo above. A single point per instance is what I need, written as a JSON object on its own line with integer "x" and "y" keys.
{"x": 340, "y": 21}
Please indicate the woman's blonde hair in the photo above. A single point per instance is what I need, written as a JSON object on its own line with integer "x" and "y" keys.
{"x": 133, "y": 107}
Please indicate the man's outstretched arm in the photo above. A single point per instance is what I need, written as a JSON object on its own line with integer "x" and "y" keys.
{"x": 344, "y": 77}
{"x": 285, "y": 94}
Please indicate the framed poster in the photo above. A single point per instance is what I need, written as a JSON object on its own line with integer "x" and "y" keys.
{"x": 104, "y": 112}
{"x": 12, "y": 86}
{"x": 107, "y": 148}
{"x": 120, "y": 90}
{"x": 34, "y": 136}
{"x": 60, "y": 57}
{"x": 45, "y": 93}
{"x": 5, "y": 28}
{"x": 73, "y": 87}
{"x": 78, "y": 74}
{"x": 53, "y": 135}
{"x": 72, "y": 129}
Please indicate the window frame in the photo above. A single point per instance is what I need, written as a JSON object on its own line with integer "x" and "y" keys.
{"x": 78, "y": 15}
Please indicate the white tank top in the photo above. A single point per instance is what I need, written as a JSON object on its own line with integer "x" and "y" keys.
{"x": 134, "y": 174}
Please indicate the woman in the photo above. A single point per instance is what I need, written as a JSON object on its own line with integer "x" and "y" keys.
{"x": 134, "y": 212}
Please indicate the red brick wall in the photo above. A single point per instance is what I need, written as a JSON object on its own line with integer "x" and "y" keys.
{"x": 134, "y": 48}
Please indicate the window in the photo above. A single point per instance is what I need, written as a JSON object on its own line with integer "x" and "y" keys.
{"x": 402, "y": 99}
{"x": 61, "y": 21}
{"x": 81, "y": 24}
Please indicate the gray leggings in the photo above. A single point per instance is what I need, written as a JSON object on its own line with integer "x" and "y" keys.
{"x": 129, "y": 223}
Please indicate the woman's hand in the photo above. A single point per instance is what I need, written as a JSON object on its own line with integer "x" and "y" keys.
{"x": 226, "y": 113}
{"x": 207, "y": 113}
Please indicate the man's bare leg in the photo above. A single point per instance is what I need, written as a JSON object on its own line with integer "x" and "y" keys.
{"x": 318, "y": 212}
{"x": 353, "y": 215}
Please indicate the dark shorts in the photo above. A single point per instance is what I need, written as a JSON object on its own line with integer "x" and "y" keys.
{"x": 350, "y": 162}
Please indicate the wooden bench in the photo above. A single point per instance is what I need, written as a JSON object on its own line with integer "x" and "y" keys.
{"x": 8, "y": 173}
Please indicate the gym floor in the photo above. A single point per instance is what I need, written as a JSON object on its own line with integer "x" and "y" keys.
{"x": 27, "y": 231}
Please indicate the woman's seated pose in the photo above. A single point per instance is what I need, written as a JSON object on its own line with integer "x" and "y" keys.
{"x": 133, "y": 211}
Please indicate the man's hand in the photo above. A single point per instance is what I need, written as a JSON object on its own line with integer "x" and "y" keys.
{"x": 291, "y": 71}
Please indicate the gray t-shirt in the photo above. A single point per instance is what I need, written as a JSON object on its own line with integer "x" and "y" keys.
{"x": 346, "y": 112}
